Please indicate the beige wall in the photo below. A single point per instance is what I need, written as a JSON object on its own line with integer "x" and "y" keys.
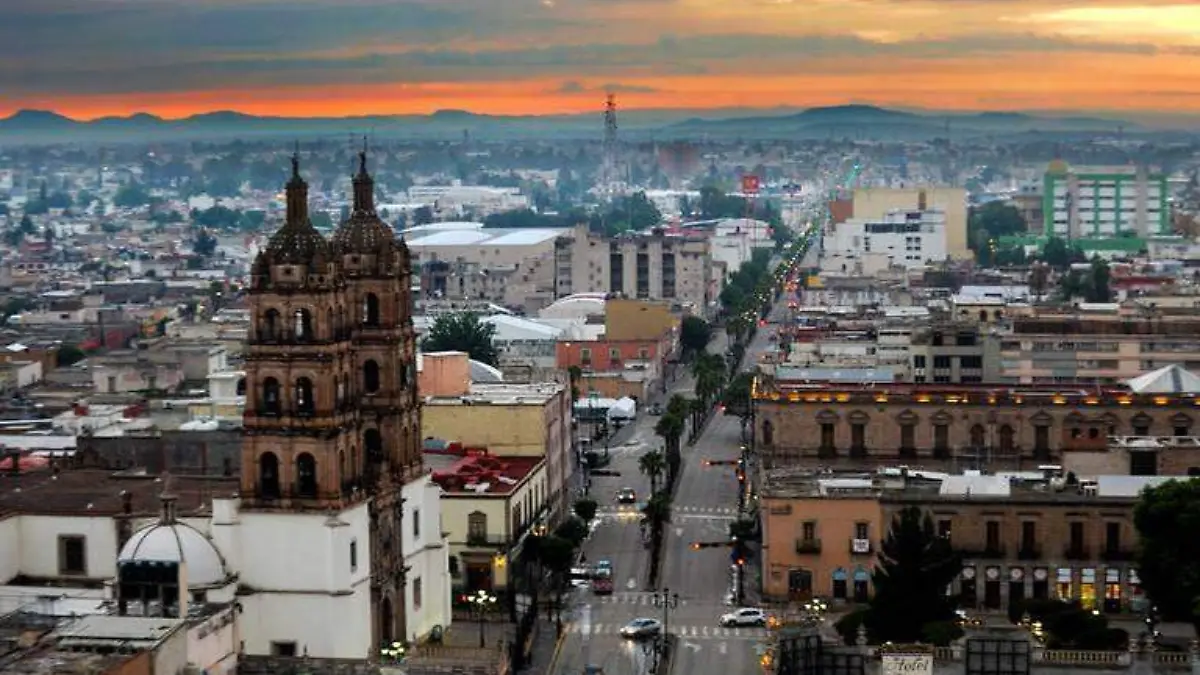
{"x": 638, "y": 320}
{"x": 517, "y": 430}
{"x": 444, "y": 374}
{"x": 876, "y": 202}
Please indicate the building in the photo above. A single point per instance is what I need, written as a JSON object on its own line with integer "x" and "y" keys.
{"x": 865, "y": 246}
{"x": 961, "y": 425}
{"x": 514, "y": 421}
{"x": 875, "y": 203}
{"x": 655, "y": 266}
{"x": 333, "y": 424}
{"x": 632, "y": 356}
{"x": 1021, "y": 535}
{"x": 1104, "y": 202}
{"x": 490, "y": 503}
{"x": 954, "y": 353}
{"x": 479, "y": 200}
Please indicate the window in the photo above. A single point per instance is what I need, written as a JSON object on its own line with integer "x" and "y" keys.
{"x": 1076, "y": 536}
{"x": 941, "y": 362}
{"x": 72, "y": 555}
{"x": 370, "y": 372}
{"x": 944, "y": 528}
{"x": 416, "y": 518}
{"x": 614, "y": 354}
{"x": 861, "y": 530}
{"x": 1007, "y": 443}
{"x": 908, "y": 440}
{"x": 585, "y": 356}
{"x": 941, "y": 440}
{"x": 1180, "y": 431}
{"x": 975, "y": 362}
{"x": 416, "y": 591}
{"x": 353, "y": 555}
{"x": 303, "y": 325}
{"x": 919, "y": 361}
{"x": 827, "y": 437}
{"x": 858, "y": 438}
{"x": 993, "y": 536}
{"x": 978, "y": 436}
{"x": 1029, "y": 536}
{"x": 643, "y": 354}
{"x": 268, "y": 476}
{"x": 283, "y": 649}
{"x": 305, "y": 405}
{"x": 1041, "y": 441}
{"x": 809, "y": 530}
{"x": 477, "y": 525}
{"x": 370, "y": 310}
{"x": 306, "y": 476}
{"x": 1112, "y": 537}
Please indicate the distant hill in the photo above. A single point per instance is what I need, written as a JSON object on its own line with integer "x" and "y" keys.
{"x": 854, "y": 121}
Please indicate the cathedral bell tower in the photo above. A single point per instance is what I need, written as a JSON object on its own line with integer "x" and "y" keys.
{"x": 302, "y": 449}
{"x": 378, "y": 279}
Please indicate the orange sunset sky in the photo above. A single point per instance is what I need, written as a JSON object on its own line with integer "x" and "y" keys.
{"x": 90, "y": 58}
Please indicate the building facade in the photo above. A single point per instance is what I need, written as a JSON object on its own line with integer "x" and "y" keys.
{"x": 908, "y": 239}
{"x": 875, "y": 203}
{"x": 957, "y": 425}
{"x": 1104, "y": 201}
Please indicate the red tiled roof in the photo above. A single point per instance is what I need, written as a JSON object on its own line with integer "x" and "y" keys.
{"x": 99, "y": 492}
{"x": 501, "y": 474}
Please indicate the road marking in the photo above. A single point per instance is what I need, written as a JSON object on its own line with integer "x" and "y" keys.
{"x": 692, "y": 646}
{"x": 679, "y": 532}
{"x": 632, "y": 584}
{"x": 722, "y": 647}
{"x": 691, "y": 516}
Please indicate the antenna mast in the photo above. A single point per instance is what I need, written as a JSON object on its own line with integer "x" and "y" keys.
{"x": 608, "y": 169}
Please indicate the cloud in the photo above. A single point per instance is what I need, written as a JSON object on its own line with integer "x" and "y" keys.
{"x": 573, "y": 87}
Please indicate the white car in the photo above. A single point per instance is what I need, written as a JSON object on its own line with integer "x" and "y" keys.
{"x": 641, "y": 628}
{"x": 747, "y": 616}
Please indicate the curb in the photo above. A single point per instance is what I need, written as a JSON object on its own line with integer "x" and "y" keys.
{"x": 558, "y": 647}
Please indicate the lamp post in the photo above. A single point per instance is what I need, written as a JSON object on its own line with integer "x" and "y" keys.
{"x": 482, "y": 601}
{"x": 667, "y": 601}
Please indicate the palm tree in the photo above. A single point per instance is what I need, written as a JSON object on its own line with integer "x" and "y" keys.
{"x": 670, "y": 428}
{"x": 657, "y": 513}
{"x": 710, "y": 372}
{"x": 653, "y": 464}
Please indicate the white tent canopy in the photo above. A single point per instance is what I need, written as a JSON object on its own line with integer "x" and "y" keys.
{"x": 624, "y": 408}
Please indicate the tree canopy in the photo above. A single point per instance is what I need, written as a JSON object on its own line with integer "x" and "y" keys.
{"x": 694, "y": 335}
{"x": 1167, "y": 518}
{"x": 915, "y": 568}
{"x": 463, "y": 332}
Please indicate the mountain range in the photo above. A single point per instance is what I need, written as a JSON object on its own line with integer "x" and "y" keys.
{"x": 847, "y": 121}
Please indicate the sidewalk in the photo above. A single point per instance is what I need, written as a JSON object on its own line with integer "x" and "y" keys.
{"x": 545, "y": 645}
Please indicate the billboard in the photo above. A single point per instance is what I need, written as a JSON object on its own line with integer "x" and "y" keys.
{"x": 750, "y": 184}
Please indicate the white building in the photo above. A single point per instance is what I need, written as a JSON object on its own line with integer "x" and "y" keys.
{"x": 460, "y": 199}
{"x": 908, "y": 239}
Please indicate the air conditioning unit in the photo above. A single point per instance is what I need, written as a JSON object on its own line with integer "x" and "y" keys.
{"x": 860, "y": 546}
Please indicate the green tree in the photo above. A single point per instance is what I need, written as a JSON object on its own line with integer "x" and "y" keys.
{"x": 131, "y": 195}
{"x": 652, "y": 464}
{"x": 1058, "y": 254}
{"x": 463, "y": 332}
{"x": 205, "y": 244}
{"x": 657, "y": 513}
{"x": 694, "y": 335}
{"x": 1167, "y": 518}
{"x": 670, "y": 428}
{"x": 710, "y": 371}
{"x": 736, "y": 397}
{"x": 1098, "y": 281}
{"x": 915, "y": 568}
{"x": 556, "y": 555}
{"x": 68, "y": 355}
{"x": 586, "y": 509}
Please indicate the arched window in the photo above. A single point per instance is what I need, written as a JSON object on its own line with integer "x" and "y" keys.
{"x": 305, "y": 405}
{"x": 1006, "y": 439}
{"x": 983, "y": 315}
{"x": 303, "y": 325}
{"x": 768, "y": 433}
{"x": 240, "y": 387}
{"x": 978, "y": 436}
{"x": 341, "y": 391}
{"x": 373, "y": 445}
{"x": 268, "y": 476}
{"x": 370, "y": 310}
{"x": 270, "y": 396}
{"x": 306, "y": 476}
{"x": 329, "y": 325}
{"x": 370, "y": 377}
{"x": 271, "y": 325}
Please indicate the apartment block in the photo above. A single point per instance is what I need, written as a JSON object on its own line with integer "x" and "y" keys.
{"x": 1104, "y": 201}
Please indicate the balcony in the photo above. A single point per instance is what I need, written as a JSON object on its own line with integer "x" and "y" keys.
{"x": 1029, "y": 552}
{"x": 808, "y": 546}
{"x": 1118, "y": 554}
{"x": 483, "y": 539}
{"x": 861, "y": 547}
{"x": 1076, "y": 552}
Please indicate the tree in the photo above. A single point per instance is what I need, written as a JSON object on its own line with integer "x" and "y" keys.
{"x": 736, "y": 397}
{"x": 657, "y": 513}
{"x": 586, "y": 509}
{"x": 131, "y": 195}
{"x": 1059, "y": 255}
{"x": 556, "y": 555}
{"x": 575, "y": 373}
{"x": 1039, "y": 279}
{"x": 1167, "y": 518}
{"x": 652, "y": 464}
{"x": 463, "y": 332}
{"x": 68, "y": 355}
{"x": 205, "y": 244}
{"x": 709, "y": 371}
{"x": 1098, "y": 288}
{"x": 694, "y": 335}
{"x": 915, "y": 568}
{"x": 670, "y": 428}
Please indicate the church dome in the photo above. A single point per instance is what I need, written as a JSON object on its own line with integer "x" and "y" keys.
{"x": 297, "y": 242}
{"x": 363, "y": 233}
{"x": 181, "y": 543}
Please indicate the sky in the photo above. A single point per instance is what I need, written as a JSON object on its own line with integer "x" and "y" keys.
{"x": 333, "y": 58}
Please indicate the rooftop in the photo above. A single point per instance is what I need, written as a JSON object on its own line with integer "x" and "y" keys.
{"x": 537, "y": 393}
{"x": 902, "y": 484}
{"x": 480, "y": 237}
{"x": 99, "y": 492}
{"x": 1034, "y": 396}
{"x": 480, "y": 474}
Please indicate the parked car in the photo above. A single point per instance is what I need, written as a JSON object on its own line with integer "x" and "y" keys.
{"x": 641, "y": 628}
{"x": 747, "y": 616}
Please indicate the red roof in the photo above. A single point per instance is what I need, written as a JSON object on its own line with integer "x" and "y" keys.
{"x": 501, "y": 475}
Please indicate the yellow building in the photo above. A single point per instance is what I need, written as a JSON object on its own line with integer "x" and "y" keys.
{"x": 877, "y": 202}
{"x": 626, "y": 319}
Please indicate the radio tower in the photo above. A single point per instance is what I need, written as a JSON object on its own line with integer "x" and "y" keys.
{"x": 608, "y": 168}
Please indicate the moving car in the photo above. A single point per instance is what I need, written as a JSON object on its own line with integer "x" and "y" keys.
{"x": 602, "y": 582}
{"x": 747, "y": 616}
{"x": 641, "y": 628}
{"x": 626, "y": 496}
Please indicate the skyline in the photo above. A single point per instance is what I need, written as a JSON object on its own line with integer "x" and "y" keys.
{"x": 333, "y": 58}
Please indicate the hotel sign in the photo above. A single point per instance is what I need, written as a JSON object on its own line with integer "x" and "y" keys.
{"x": 907, "y": 664}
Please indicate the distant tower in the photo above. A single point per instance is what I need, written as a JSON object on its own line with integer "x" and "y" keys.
{"x": 609, "y": 172}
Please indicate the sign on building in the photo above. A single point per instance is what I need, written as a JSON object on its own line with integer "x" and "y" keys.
{"x": 907, "y": 664}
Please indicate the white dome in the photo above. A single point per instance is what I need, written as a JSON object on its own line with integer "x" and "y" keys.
{"x": 180, "y": 543}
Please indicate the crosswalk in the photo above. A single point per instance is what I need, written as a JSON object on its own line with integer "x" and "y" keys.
{"x": 690, "y": 632}
{"x": 710, "y": 510}
{"x": 629, "y": 598}
{"x": 625, "y": 511}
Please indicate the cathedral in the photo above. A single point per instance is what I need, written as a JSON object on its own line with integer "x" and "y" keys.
{"x": 333, "y": 419}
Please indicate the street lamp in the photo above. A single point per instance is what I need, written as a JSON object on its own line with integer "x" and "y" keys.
{"x": 482, "y": 601}
{"x": 667, "y": 601}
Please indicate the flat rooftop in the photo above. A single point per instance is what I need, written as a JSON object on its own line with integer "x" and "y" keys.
{"x": 99, "y": 492}
{"x": 536, "y": 393}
